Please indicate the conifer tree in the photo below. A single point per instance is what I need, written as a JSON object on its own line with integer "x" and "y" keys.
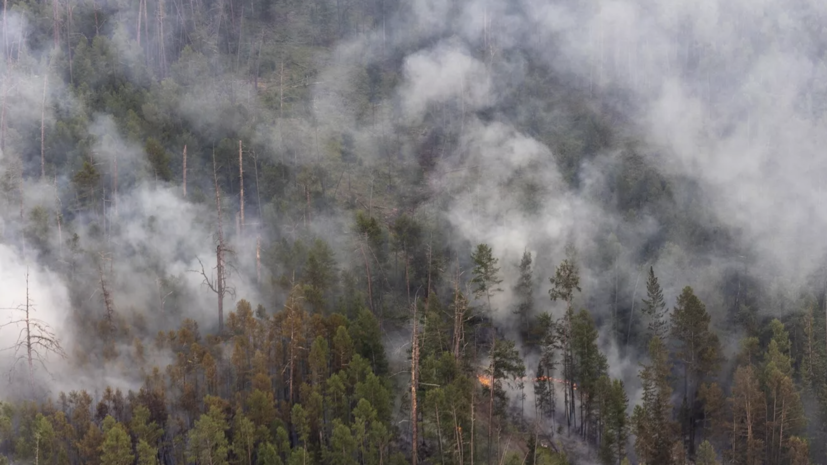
{"x": 117, "y": 447}
{"x": 207, "y": 441}
{"x": 654, "y": 308}
{"x": 652, "y": 425}
{"x": 565, "y": 282}
{"x": 524, "y": 291}
{"x": 698, "y": 352}
{"x": 485, "y": 275}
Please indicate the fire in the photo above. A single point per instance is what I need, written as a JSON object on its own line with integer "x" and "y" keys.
{"x": 485, "y": 380}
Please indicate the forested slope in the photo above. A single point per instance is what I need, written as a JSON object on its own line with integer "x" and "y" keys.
{"x": 374, "y": 231}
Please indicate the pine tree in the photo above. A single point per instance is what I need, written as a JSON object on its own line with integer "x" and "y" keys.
{"x": 207, "y": 441}
{"x": 615, "y": 422}
{"x": 652, "y": 425}
{"x": 785, "y": 415}
{"x": 654, "y": 308}
{"x": 698, "y": 351}
{"x": 591, "y": 365}
{"x": 748, "y": 407}
{"x": 485, "y": 279}
{"x": 566, "y": 280}
{"x": 117, "y": 447}
{"x": 706, "y": 455}
{"x": 524, "y": 292}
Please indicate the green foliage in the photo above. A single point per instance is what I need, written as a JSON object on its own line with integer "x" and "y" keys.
{"x": 652, "y": 425}
{"x": 706, "y": 455}
{"x": 158, "y": 159}
{"x": 367, "y": 341}
{"x": 524, "y": 290}
{"x": 147, "y": 453}
{"x": 266, "y": 455}
{"x": 566, "y": 279}
{"x": 207, "y": 441}
{"x": 117, "y": 447}
{"x": 698, "y": 346}
{"x": 654, "y": 307}
{"x": 485, "y": 278}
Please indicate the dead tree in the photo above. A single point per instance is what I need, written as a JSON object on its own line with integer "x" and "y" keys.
{"x": 414, "y": 386}
{"x": 35, "y": 341}
{"x": 43, "y": 127}
{"x": 258, "y": 259}
{"x": 108, "y": 302}
{"x": 58, "y": 216}
{"x": 219, "y": 283}
{"x": 56, "y": 22}
{"x": 241, "y": 184}
{"x": 185, "y": 171}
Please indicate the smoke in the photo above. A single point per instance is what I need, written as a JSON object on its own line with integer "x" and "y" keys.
{"x": 680, "y": 135}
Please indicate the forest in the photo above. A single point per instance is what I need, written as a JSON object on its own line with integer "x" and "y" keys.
{"x": 381, "y": 232}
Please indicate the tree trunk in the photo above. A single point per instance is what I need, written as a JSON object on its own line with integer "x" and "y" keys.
{"x": 42, "y": 122}
{"x": 185, "y": 172}
{"x": 473, "y": 398}
{"x": 367, "y": 273}
{"x": 491, "y": 396}
{"x": 220, "y": 279}
{"x": 258, "y": 259}
{"x": 414, "y": 383}
{"x": 241, "y": 185}
{"x": 56, "y": 22}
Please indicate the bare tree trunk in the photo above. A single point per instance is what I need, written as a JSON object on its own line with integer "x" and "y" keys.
{"x": 59, "y": 226}
{"x": 3, "y": 114}
{"x": 107, "y": 297}
{"x": 459, "y": 320}
{"x": 95, "y": 9}
{"x": 458, "y": 437}
{"x": 258, "y": 259}
{"x": 219, "y": 252}
{"x": 69, "y": 9}
{"x": 185, "y": 171}
{"x": 241, "y": 184}
{"x": 491, "y": 399}
{"x": 146, "y": 31}
{"x": 473, "y": 398}
{"x": 115, "y": 182}
{"x": 5, "y": 32}
{"x": 258, "y": 192}
{"x": 56, "y": 22}
{"x": 140, "y": 17}
{"x": 414, "y": 385}
{"x": 439, "y": 434}
{"x": 162, "y": 54}
{"x": 29, "y": 331}
{"x": 43, "y": 126}
{"x": 367, "y": 273}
